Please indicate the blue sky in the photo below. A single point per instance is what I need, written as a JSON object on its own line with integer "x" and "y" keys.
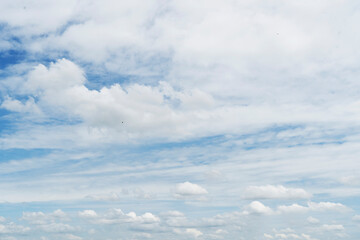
{"x": 180, "y": 120}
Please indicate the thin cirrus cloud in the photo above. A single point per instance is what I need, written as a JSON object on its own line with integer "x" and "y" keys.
{"x": 275, "y": 192}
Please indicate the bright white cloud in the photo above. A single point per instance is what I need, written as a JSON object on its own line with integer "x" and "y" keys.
{"x": 257, "y": 207}
{"x": 188, "y": 189}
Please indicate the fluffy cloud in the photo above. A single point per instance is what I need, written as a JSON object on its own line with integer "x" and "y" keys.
{"x": 274, "y": 192}
{"x": 40, "y": 218}
{"x": 88, "y": 214}
{"x": 188, "y": 189}
{"x": 257, "y": 207}
{"x": 191, "y": 232}
{"x": 58, "y": 228}
{"x": 118, "y": 216}
{"x": 13, "y": 228}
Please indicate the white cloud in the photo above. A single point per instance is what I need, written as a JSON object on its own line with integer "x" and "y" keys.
{"x": 70, "y": 236}
{"x": 116, "y": 215}
{"x": 312, "y": 220}
{"x": 332, "y": 227}
{"x": 39, "y": 218}
{"x": 13, "y": 228}
{"x": 221, "y": 231}
{"x": 356, "y": 218}
{"x": 143, "y": 235}
{"x": 294, "y": 208}
{"x": 15, "y": 105}
{"x": 327, "y": 206}
{"x": 88, "y": 214}
{"x": 58, "y": 228}
{"x": 313, "y": 206}
{"x": 188, "y": 189}
{"x": 274, "y": 192}
{"x": 188, "y": 69}
{"x": 257, "y": 207}
{"x": 268, "y": 236}
{"x": 191, "y": 232}
{"x": 104, "y": 197}
{"x": 173, "y": 214}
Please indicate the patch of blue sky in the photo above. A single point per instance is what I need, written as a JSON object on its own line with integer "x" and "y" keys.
{"x": 11, "y": 57}
{"x": 16, "y": 154}
{"x": 6, "y": 124}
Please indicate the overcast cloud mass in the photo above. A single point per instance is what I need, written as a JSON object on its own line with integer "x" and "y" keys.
{"x": 164, "y": 119}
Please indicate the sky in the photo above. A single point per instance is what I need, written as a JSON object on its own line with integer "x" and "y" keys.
{"x": 165, "y": 119}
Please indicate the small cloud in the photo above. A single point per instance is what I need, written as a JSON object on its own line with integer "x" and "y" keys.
{"x": 192, "y": 232}
{"x": 313, "y": 220}
{"x": 187, "y": 189}
{"x": 333, "y": 227}
{"x": 294, "y": 208}
{"x": 143, "y": 235}
{"x": 275, "y": 192}
{"x": 72, "y": 237}
{"x": 257, "y": 207}
{"x": 313, "y": 206}
{"x": 268, "y": 236}
{"x": 88, "y": 214}
{"x": 326, "y": 206}
{"x": 104, "y": 197}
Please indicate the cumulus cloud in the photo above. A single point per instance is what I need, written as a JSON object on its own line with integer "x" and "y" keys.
{"x": 17, "y": 106}
{"x": 188, "y": 189}
{"x": 116, "y": 215}
{"x": 40, "y": 218}
{"x": 88, "y": 214}
{"x": 58, "y": 228}
{"x": 257, "y": 207}
{"x": 274, "y": 192}
{"x": 13, "y": 228}
{"x": 191, "y": 232}
{"x": 119, "y": 113}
